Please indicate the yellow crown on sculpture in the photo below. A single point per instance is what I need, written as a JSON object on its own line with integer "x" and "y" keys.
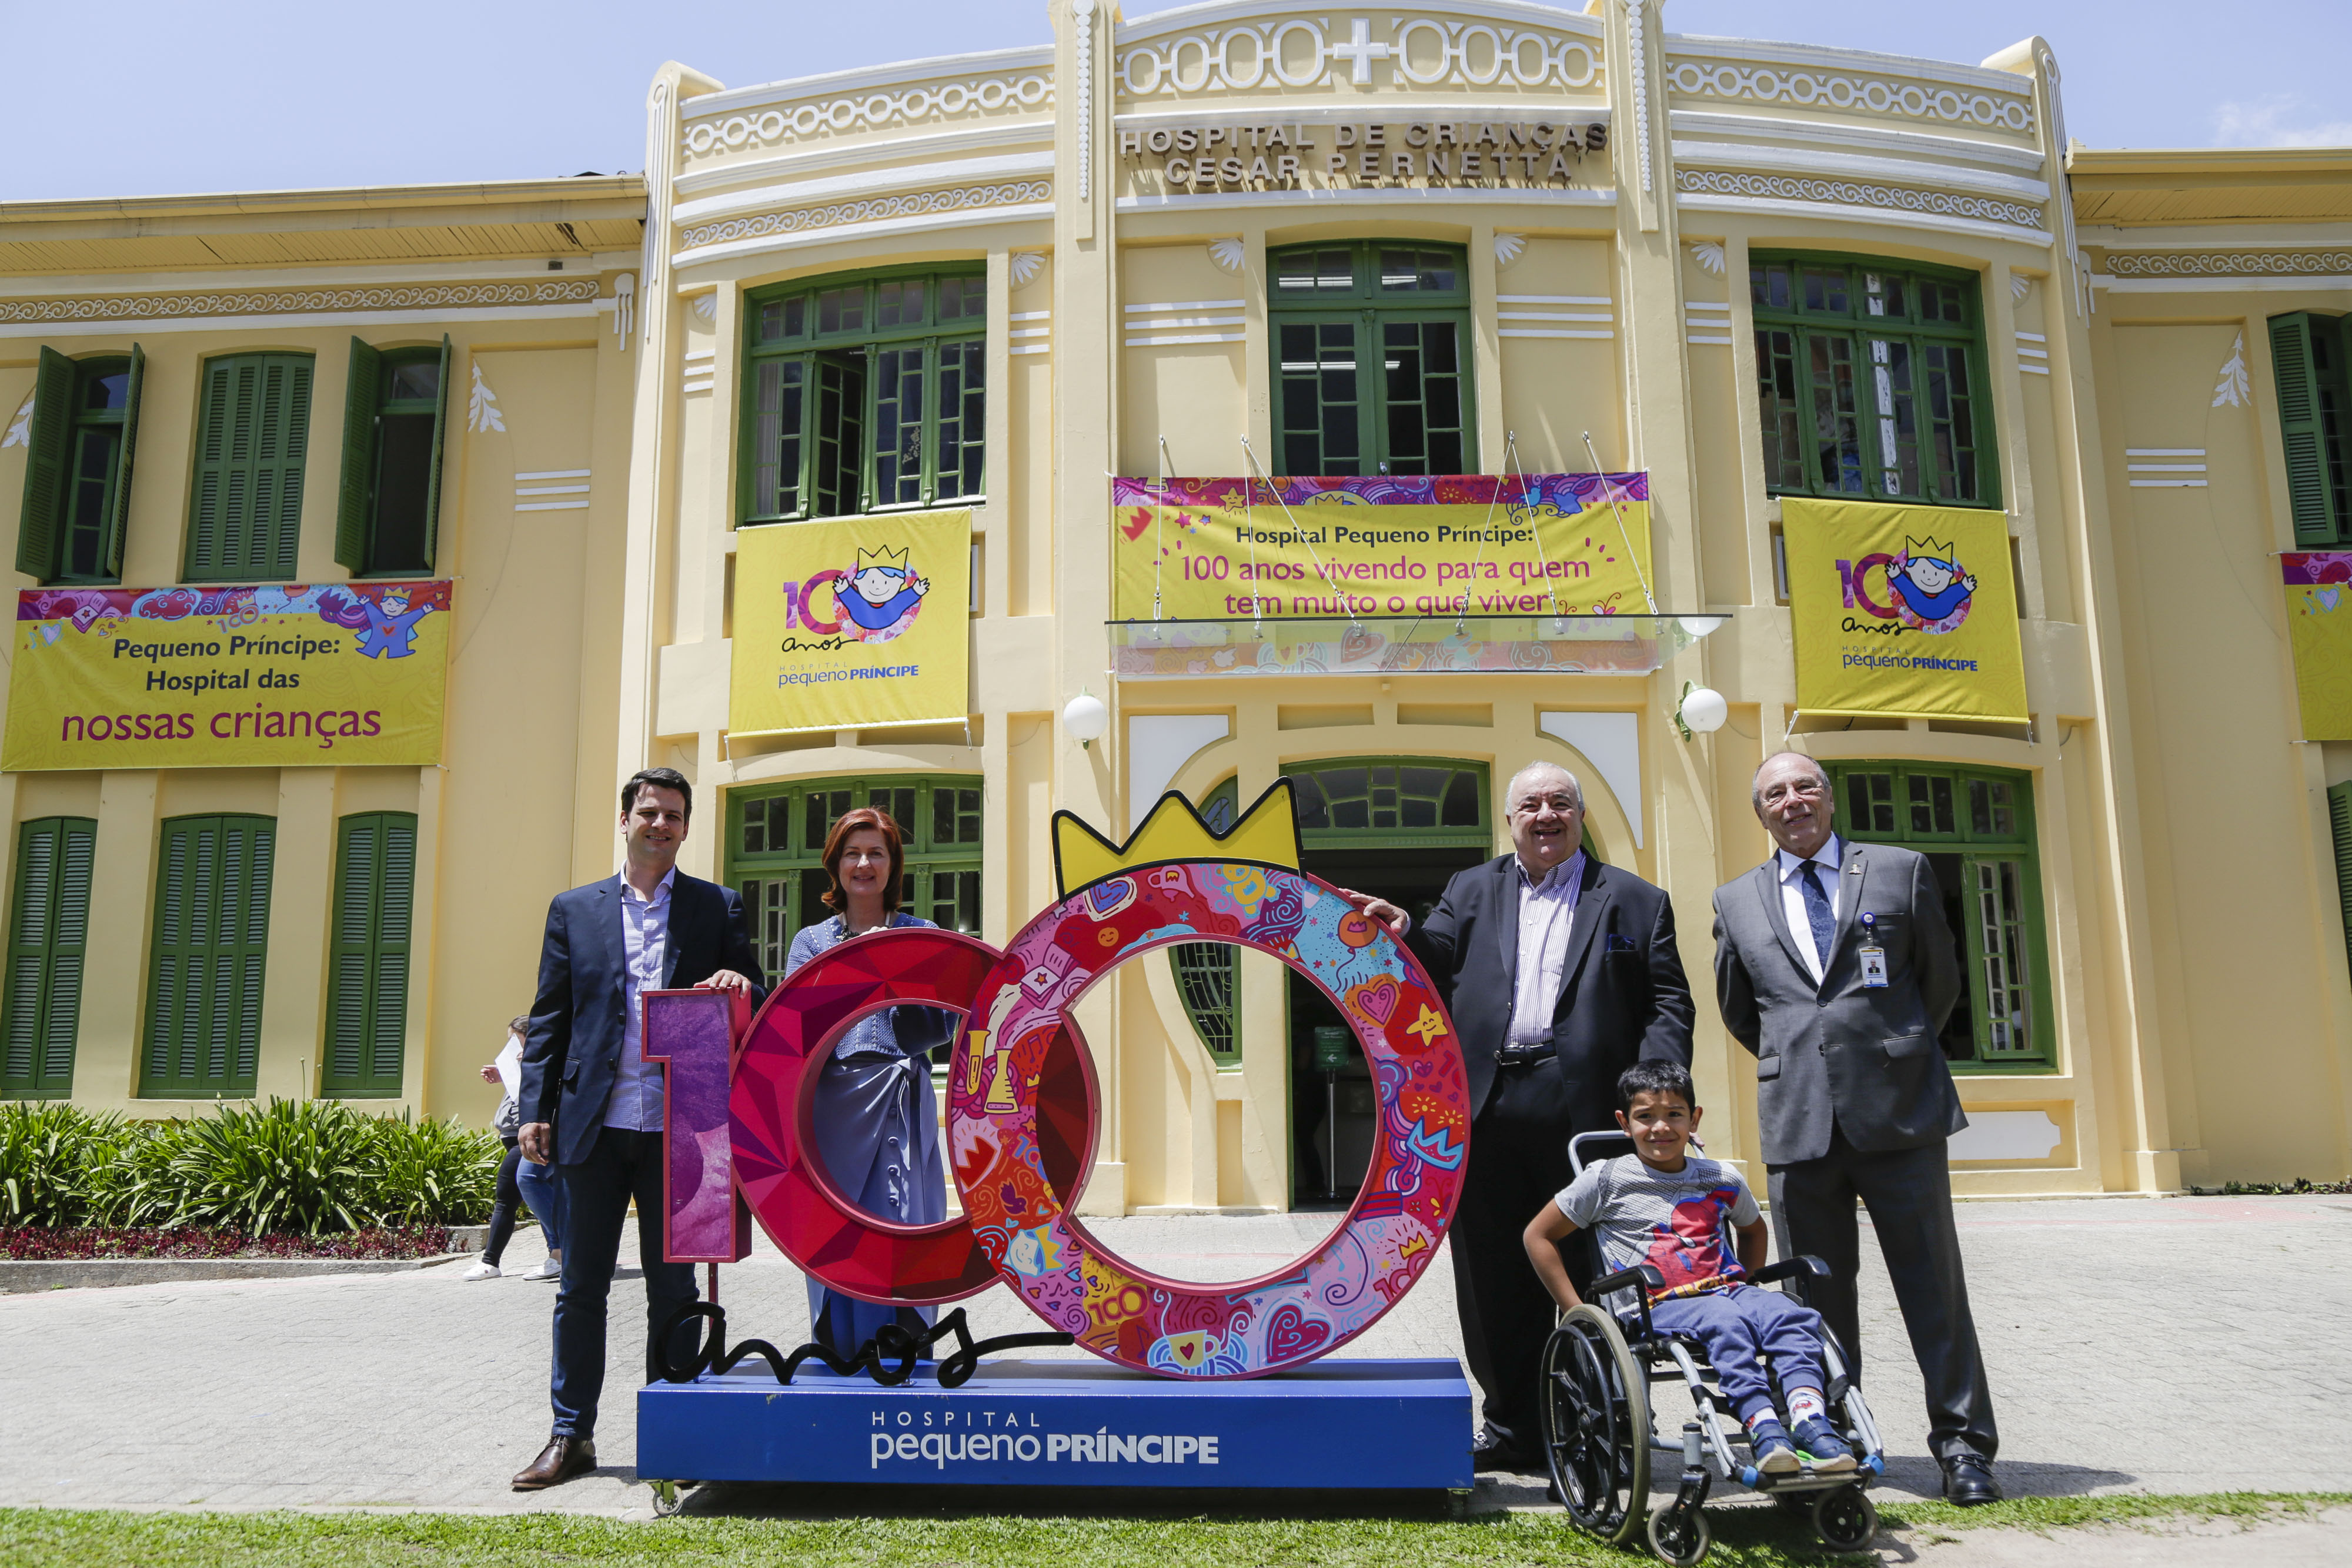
{"x": 1927, "y": 549}
{"x": 895, "y": 559}
{"x": 1266, "y": 834}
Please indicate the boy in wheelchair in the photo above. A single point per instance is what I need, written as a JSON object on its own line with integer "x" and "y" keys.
{"x": 1693, "y": 1221}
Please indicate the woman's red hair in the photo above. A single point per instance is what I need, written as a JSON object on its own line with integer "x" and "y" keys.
{"x": 836, "y": 842}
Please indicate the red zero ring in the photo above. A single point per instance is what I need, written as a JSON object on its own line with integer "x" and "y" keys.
{"x": 777, "y": 1164}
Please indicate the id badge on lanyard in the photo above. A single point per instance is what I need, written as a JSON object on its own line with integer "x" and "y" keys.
{"x": 1873, "y": 955}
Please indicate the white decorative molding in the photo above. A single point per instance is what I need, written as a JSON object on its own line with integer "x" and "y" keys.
{"x": 2168, "y": 461}
{"x": 1709, "y": 256}
{"x": 1554, "y": 323}
{"x": 2033, "y": 353}
{"x": 1612, "y": 742}
{"x": 1708, "y": 323}
{"x": 1848, "y": 193}
{"x": 698, "y": 370}
{"x": 625, "y": 306}
{"x": 1157, "y": 746}
{"x": 482, "y": 407}
{"x": 1871, "y": 92}
{"x": 706, "y": 306}
{"x": 1084, "y": 12}
{"x": 656, "y": 245}
{"x": 2020, "y": 286}
{"x": 1025, "y": 265}
{"x": 878, "y": 110}
{"x": 533, "y": 490}
{"x": 2075, "y": 257}
{"x": 2010, "y": 1136}
{"x": 2228, "y": 263}
{"x": 1250, "y": 57}
{"x": 1508, "y": 248}
{"x": 1228, "y": 254}
{"x": 919, "y": 204}
{"x": 20, "y": 429}
{"x": 1029, "y": 332}
{"x": 294, "y": 301}
{"x": 1177, "y": 322}
{"x": 2234, "y": 389}
{"x": 1641, "y": 86}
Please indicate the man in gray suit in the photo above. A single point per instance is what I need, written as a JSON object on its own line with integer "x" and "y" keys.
{"x": 1835, "y": 964}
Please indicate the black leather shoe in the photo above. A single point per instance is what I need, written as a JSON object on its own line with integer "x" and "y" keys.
{"x": 562, "y": 1458}
{"x": 1491, "y": 1452}
{"x": 1968, "y": 1481}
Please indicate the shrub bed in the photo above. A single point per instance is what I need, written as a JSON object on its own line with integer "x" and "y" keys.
{"x": 47, "y": 1243}
{"x": 290, "y": 1168}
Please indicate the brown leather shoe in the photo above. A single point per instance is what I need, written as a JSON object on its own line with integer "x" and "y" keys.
{"x": 562, "y": 1458}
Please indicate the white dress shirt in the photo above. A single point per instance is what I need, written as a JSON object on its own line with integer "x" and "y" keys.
{"x": 636, "y": 1102}
{"x": 1792, "y": 896}
{"x": 1547, "y": 915}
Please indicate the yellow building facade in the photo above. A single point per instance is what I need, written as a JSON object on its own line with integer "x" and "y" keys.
{"x": 1232, "y": 240}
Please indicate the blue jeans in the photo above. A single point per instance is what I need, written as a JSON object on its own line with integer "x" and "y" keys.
{"x": 542, "y": 1189}
{"x": 1735, "y": 1326}
{"x": 622, "y": 1164}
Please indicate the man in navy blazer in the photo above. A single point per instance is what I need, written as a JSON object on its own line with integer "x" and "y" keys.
{"x": 1560, "y": 972}
{"x": 593, "y": 1105}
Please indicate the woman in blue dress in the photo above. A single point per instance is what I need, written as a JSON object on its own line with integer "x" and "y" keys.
{"x": 876, "y": 1115}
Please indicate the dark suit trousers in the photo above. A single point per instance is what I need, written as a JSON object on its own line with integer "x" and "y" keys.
{"x": 1518, "y": 1162}
{"x": 622, "y": 1165}
{"x": 1909, "y": 1194}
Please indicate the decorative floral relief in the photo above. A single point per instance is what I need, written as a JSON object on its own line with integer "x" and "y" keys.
{"x": 20, "y": 429}
{"x": 1229, "y": 254}
{"x": 868, "y": 111}
{"x": 1709, "y": 256}
{"x": 482, "y": 406}
{"x": 2020, "y": 286}
{"x": 1508, "y": 248}
{"x": 625, "y": 302}
{"x": 706, "y": 306}
{"x": 2229, "y": 263}
{"x": 1083, "y": 12}
{"x": 280, "y": 302}
{"x": 1775, "y": 186}
{"x": 1641, "y": 86}
{"x": 1025, "y": 265}
{"x": 2234, "y": 389}
{"x": 1826, "y": 90}
{"x": 917, "y": 204}
{"x": 1460, "y": 54}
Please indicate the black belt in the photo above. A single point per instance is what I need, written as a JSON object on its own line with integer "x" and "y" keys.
{"x": 1523, "y": 1055}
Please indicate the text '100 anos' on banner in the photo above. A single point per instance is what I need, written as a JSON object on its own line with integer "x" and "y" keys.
{"x": 286, "y": 676}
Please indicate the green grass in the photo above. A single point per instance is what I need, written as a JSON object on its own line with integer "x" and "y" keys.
{"x": 1142, "y": 1536}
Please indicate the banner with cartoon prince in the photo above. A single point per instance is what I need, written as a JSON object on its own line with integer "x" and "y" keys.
{"x": 2319, "y": 630}
{"x": 1903, "y": 612}
{"x": 850, "y": 622}
{"x": 335, "y": 675}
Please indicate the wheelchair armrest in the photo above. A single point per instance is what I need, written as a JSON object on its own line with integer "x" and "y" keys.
{"x": 1641, "y": 1278}
{"x": 1805, "y": 1264}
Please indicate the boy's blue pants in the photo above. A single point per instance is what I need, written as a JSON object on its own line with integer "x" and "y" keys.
{"x": 1736, "y": 1325}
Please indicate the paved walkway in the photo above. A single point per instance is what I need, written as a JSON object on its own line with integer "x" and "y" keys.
{"x": 2168, "y": 1346}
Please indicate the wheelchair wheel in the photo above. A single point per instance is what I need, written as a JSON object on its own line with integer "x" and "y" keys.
{"x": 1844, "y": 1519}
{"x": 1679, "y": 1537}
{"x": 1596, "y": 1425}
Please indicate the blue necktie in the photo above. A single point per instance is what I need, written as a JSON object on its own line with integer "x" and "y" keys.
{"x": 1817, "y": 913}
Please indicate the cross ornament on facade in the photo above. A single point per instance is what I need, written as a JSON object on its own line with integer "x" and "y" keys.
{"x": 1359, "y": 50}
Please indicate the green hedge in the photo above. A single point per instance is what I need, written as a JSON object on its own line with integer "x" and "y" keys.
{"x": 301, "y": 1167}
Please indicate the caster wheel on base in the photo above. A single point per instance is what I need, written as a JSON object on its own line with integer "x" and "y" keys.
{"x": 1679, "y": 1537}
{"x": 1845, "y": 1520}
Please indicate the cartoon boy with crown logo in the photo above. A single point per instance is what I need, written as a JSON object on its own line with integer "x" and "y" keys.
{"x": 886, "y": 593}
{"x": 1931, "y": 583}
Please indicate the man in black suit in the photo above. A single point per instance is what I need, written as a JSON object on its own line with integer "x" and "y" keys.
{"x": 1560, "y": 972}
{"x": 593, "y": 1105}
{"x": 1835, "y": 964}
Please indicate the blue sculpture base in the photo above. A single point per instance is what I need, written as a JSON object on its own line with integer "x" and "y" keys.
{"x": 1338, "y": 1423}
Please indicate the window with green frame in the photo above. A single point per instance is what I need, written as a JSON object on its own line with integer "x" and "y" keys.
{"x": 1870, "y": 381}
{"x": 1394, "y": 804}
{"x": 367, "y": 974}
{"x": 1975, "y": 825}
{"x": 78, "y": 467}
{"x": 1371, "y": 341}
{"x": 775, "y": 849}
{"x": 863, "y": 394}
{"x": 253, "y": 433}
{"x": 2314, "y": 394}
{"x": 211, "y": 943}
{"x": 49, "y": 931}
{"x": 388, "y": 506}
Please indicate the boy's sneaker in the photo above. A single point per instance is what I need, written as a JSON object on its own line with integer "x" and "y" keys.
{"x": 480, "y": 1271}
{"x": 1775, "y": 1455}
{"x": 1823, "y": 1447}
{"x": 549, "y": 1269}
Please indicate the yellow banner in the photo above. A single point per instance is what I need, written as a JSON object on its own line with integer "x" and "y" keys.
{"x": 349, "y": 674}
{"x": 2319, "y": 630}
{"x": 1533, "y": 544}
{"x": 852, "y": 621}
{"x": 1903, "y": 612}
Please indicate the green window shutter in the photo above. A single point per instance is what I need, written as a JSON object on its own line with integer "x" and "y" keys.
{"x": 2339, "y": 824}
{"x": 118, "y": 522}
{"x": 45, "y": 467}
{"x": 367, "y": 1008}
{"x": 252, "y": 439}
{"x": 211, "y": 946}
{"x": 49, "y": 927}
{"x": 352, "y": 508}
{"x": 2301, "y": 362}
{"x": 433, "y": 482}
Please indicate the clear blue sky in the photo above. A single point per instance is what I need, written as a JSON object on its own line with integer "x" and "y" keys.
{"x": 141, "y": 98}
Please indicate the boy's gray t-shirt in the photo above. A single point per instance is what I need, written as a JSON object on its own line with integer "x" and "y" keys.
{"x": 1678, "y": 1223}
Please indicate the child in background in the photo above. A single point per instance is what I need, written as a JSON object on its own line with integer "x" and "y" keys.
{"x": 1680, "y": 1213}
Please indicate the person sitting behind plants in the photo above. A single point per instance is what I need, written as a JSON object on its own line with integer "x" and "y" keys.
{"x": 519, "y": 1181}
{"x": 1693, "y": 1220}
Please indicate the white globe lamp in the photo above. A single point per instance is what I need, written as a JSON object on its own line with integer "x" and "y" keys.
{"x": 1085, "y": 718}
{"x": 1703, "y": 710}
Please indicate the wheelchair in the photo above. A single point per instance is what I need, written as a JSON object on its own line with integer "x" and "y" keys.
{"x": 1599, "y": 1431}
